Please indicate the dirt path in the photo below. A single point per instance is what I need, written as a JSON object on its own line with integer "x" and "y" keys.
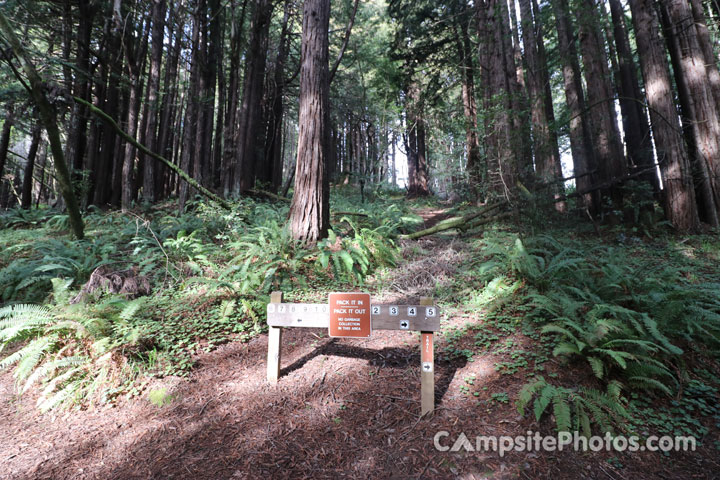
{"x": 342, "y": 409}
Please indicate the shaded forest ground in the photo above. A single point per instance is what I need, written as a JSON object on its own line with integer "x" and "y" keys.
{"x": 342, "y": 409}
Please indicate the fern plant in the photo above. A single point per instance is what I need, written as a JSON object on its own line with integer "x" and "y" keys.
{"x": 575, "y": 409}
{"x": 68, "y": 348}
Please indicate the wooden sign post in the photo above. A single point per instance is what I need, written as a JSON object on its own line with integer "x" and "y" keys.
{"x": 352, "y": 315}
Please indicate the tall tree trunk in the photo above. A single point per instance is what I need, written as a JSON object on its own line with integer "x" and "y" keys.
{"x": 229, "y": 130}
{"x": 151, "y": 136}
{"x": 217, "y": 49}
{"x": 310, "y": 208}
{"x": 634, "y": 116}
{"x": 5, "y": 139}
{"x": 472, "y": 145}
{"x": 27, "y": 185}
{"x": 606, "y": 136}
{"x": 250, "y": 116}
{"x": 689, "y": 63}
{"x": 501, "y": 158}
{"x": 77, "y": 138}
{"x": 547, "y": 164}
{"x": 190, "y": 122}
{"x": 584, "y": 162}
{"x": 111, "y": 74}
{"x": 678, "y": 189}
{"x": 270, "y": 168}
{"x": 703, "y": 35}
{"x": 169, "y": 115}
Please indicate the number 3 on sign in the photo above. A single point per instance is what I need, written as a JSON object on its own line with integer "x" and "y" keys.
{"x": 394, "y": 310}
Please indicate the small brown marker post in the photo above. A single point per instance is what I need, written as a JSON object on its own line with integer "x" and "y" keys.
{"x": 274, "y": 345}
{"x": 427, "y": 365}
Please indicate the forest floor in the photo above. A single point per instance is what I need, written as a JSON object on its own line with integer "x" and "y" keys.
{"x": 342, "y": 409}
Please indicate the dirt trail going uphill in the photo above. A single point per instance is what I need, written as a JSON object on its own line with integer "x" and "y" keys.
{"x": 342, "y": 409}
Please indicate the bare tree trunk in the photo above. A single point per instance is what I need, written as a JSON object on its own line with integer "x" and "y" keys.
{"x": 190, "y": 122}
{"x": 703, "y": 112}
{"x": 151, "y": 136}
{"x": 27, "y": 186}
{"x": 250, "y": 116}
{"x": 472, "y": 144}
{"x": 634, "y": 116}
{"x": 5, "y": 139}
{"x": 270, "y": 165}
{"x": 678, "y": 190}
{"x": 135, "y": 55}
{"x": 170, "y": 112}
{"x": 310, "y": 208}
{"x": 547, "y": 164}
{"x": 77, "y": 138}
{"x": 601, "y": 105}
{"x": 229, "y": 130}
{"x": 703, "y": 36}
{"x": 584, "y": 163}
{"x": 501, "y": 158}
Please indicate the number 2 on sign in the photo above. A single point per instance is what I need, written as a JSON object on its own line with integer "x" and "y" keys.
{"x": 376, "y": 310}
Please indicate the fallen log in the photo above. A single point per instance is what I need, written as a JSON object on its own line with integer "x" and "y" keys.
{"x": 473, "y": 228}
{"x": 266, "y": 194}
{"x": 454, "y": 222}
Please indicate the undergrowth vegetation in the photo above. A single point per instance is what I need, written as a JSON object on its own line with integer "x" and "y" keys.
{"x": 628, "y": 319}
{"x": 90, "y": 320}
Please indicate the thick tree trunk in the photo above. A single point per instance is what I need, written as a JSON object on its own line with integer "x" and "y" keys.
{"x": 703, "y": 35}
{"x": 678, "y": 190}
{"x": 310, "y": 208}
{"x": 703, "y": 112}
{"x": 112, "y": 71}
{"x": 169, "y": 116}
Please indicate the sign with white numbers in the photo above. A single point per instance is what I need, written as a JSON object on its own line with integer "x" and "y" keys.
{"x": 352, "y": 315}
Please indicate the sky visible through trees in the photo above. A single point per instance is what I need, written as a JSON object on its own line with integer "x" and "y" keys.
{"x": 481, "y": 99}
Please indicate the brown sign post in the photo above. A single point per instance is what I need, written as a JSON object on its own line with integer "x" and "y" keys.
{"x": 350, "y": 315}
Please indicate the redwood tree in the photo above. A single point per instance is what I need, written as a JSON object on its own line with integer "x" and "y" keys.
{"x": 310, "y": 208}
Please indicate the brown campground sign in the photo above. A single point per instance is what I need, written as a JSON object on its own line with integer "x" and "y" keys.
{"x": 350, "y": 315}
